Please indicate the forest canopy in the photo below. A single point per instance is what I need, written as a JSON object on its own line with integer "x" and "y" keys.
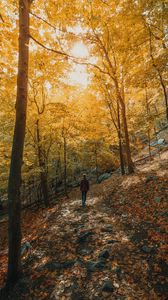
{"x": 84, "y": 71}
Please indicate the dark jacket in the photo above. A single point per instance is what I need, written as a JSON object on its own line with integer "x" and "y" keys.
{"x": 84, "y": 185}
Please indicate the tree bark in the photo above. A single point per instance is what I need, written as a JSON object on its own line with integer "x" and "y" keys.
{"x": 117, "y": 125}
{"x": 120, "y": 140}
{"x": 148, "y": 115}
{"x": 130, "y": 164}
{"x": 96, "y": 161}
{"x": 164, "y": 91}
{"x": 65, "y": 166}
{"x": 149, "y": 146}
{"x": 159, "y": 74}
{"x": 120, "y": 98}
{"x": 127, "y": 142}
{"x": 43, "y": 175}
{"x": 14, "y": 183}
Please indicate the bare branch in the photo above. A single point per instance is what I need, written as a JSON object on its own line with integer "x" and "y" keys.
{"x": 2, "y": 19}
{"x": 47, "y": 48}
{"x": 51, "y": 25}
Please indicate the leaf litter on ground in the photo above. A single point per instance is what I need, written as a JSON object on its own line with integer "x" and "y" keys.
{"x": 115, "y": 248}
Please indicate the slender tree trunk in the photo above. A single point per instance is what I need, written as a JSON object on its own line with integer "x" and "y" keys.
{"x": 158, "y": 146}
{"x": 14, "y": 183}
{"x": 120, "y": 98}
{"x": 121, "y": 155}
{"x": 164, "y": 93}
{"x": 149, "y": 146}
{"x": 159, "y": 74}
{"x": 163, "y": 86}
{"x": 120, "y": 140}
{"x": 117, "y": 125}
{"x": 96, "y": 162}
{"x": 44, "y": 188}
{"x": 56, "y": 178}
{"x": 148, "y": 114}
{"x": 65, "y": 166}
{"x": 57, "y": 170}
{"x": 43, "y": 175}
{"x": 127, "y": 142}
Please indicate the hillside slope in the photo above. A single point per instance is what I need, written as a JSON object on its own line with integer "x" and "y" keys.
{"x": 115, "y": 248}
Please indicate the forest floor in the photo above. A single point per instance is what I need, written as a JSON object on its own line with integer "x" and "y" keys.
{"x": 115, "y": 248}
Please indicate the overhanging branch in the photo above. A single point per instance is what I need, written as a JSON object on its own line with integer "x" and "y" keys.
{"x": 47, "y": 48}
{"x": 74, "y": 59}
{"x": 51, "y": 25}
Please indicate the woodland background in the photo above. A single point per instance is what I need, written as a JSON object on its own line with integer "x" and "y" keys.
{"x": 127, "y": 45}
{"x": 84, "y": 84}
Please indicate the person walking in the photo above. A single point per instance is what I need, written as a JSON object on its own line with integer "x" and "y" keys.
{"x": 84, "y": 187}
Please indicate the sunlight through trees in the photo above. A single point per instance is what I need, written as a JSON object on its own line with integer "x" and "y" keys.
{"x": 83, "y": 89}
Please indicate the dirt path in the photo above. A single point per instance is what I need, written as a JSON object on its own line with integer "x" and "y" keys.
{"x": 91, "y": 253}
{"x": 115, "y": 248}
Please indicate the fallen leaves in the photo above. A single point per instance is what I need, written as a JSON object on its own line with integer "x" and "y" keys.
{"x": 66, "y": 242}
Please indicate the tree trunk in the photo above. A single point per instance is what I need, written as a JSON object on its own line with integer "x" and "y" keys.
{"x": 44, "y": 188}
{"x": 43, "y": 175}
{"x": 163, "y": 87}
{"x": 120, "y": 99}
{"x": 120, "y": 141}
{"x": 14, "y": 183}
{"x": 57, "y": 169}
{"x": 96, "y": 161}
{"x": 117, "y": 125}
{"x": 158, "y": 146}
{"x": 159, "y": 74}
{"x": 148, "y": 114}
{"x": 127, "y": 142}
{"x": 124, "y": 119}
{"x": 65, "y": 166}
{"x": 149, "y": 146}
{"x": 164, "y": 93}
{"x": 121, "y": 157}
